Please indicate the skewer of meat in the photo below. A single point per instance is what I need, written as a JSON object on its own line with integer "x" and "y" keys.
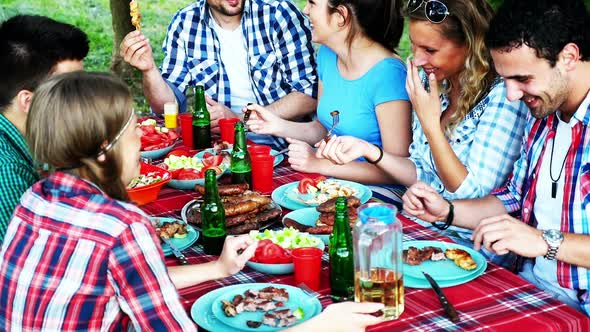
{"x": 330, "y": 205}
{"x": 327, "y": 218}
{"x": 225, "y": 189}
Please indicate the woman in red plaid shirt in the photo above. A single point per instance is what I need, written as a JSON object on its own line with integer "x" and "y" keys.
{"x": 76, "y": 256}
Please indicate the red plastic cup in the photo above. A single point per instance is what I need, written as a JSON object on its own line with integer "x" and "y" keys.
{"x": 259, "y": 150}
{"x": 226, "y": 126}
{"x": 262, "y": 171}
{"x": 186, "y": 129}
{"x": 307, "y": 265}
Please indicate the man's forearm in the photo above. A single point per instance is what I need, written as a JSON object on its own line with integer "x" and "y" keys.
{"x": 156, "y": 90}
{"x": 293, "y": 106}
{"x": 469, "y": 212}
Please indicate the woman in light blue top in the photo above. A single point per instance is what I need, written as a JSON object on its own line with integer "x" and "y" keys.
{"x": 465, "y": 138}
{"x": 361, "y": 77}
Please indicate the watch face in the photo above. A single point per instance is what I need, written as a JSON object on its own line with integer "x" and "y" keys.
{"x": 553, "y": 235}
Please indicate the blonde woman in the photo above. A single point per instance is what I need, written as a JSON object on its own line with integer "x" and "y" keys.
{"x": 466, "y": 134}
{"x": 76, "y": 256}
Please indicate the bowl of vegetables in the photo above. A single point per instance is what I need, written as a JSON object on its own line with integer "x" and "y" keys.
{"x": 156, "y": 141}
{"x": 273, "y": 254}
{"x": 146, "y": 187}
{"x": 189, "y": 171}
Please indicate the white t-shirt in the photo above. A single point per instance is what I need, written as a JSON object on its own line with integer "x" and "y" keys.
{"x": 548, "y": 209}
{"x": 235, "y": 59}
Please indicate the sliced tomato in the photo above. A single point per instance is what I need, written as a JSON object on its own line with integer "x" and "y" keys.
{"x": 179, "y": 153}
{"x": 217, "y": 169}
{"x": 172, "y": 135}
{"x": 319, "y": 179}
{"x": 189, "y": 174}
{"x": 175, "y": 173}
{"x": 148, "y": 129}
{"x": 212, "y": 161}
{"x": 303, "y": 183}
{"x": 207, "y": 155}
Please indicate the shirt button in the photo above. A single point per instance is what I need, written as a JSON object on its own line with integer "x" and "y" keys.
{"x": 526, "y": 210}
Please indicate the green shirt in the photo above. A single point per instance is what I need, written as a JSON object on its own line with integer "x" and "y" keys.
{"x": 17, "y": 171}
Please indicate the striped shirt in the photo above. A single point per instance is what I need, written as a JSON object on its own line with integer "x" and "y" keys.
{"x": 75, "y": 260}
{"x": 278, "y": 43}
{"x": 519, "y": 194}
{"x": 17, "y": 171}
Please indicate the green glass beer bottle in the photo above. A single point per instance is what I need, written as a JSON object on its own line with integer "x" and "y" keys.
{"x": 241, "y": 167}
{"x": 201, "y": 121}
{"x": 341, "y": 257}
{"x": 212, "y": 216}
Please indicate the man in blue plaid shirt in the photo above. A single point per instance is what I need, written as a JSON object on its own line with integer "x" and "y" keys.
{"x": 32, "y": 48}
{"x": 242, "y": 51}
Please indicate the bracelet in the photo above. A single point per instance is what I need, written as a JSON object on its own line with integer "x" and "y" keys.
{"x": 449, "y": 219}
{"x": 380, "y": 156}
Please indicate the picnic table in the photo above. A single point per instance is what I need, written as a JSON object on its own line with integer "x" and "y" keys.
{"x": 497, "y": 300}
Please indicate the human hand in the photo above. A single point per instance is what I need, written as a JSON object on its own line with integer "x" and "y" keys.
{"x": 341, "y": 150}
{"x": 425, "y": 103}
{"x": 135, "y": 49}
{"x": 424, "y": 202}
{"x": 345, "y": 316}
{"x": 217, "y": 111}
{"x": 230, "y": 262}
{"x": 263, "y": 121}
{"x": 302, "y": 157}
{"x": 503, "y": 234}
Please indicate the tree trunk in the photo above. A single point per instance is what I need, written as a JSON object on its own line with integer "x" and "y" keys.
{"x": 121, "y": 27}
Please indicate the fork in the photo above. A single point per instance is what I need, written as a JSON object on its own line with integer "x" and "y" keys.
{"x": 335, "y": 120}
{"x": 313, "y": 294}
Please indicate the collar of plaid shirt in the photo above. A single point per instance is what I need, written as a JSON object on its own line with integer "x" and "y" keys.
{"x": 575, "y": 218}
{"x": 16, "y": 139}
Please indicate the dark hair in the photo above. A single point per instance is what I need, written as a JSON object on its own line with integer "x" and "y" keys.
{"x": 466, "y": 25}
{"x": 71, "y": 116}
{"x": 543, "y": 25}
{"x": 380, "y": 20}
{"x": 30, "y": 47}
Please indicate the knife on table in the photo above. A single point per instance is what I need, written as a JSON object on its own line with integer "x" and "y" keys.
{"x": 449, "y": 309}
{"x": 181, "y": 258}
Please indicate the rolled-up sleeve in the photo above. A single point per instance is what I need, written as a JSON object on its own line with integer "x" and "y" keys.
{"x": 292, "y": 36}
{"x": 495, "y": 146}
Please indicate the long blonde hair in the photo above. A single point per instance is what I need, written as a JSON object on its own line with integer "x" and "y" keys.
{"x": 467, "y": 25}
{"x": 71, "y": 117}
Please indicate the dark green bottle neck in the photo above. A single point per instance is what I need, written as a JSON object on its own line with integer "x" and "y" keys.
{"x": 240, "y": 136}
{"x": 341, "y": 219}
{"x": 200, "y": 113}
{"x": 211, "y": 190}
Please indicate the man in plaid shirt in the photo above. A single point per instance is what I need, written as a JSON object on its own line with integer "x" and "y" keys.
{"x": 543, "y": 53}
{"x": 31, "y": 48}
{"x": 241, "y": 51}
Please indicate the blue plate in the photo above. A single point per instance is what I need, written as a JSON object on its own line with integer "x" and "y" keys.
{"x": 288, "y": 197}
{"x": 441, "y": 270}
{"x": 201, "y": 309}
{"x": 156, "y": 154}
{"x": 446, "y": 273}
{"x": 307, "y": 217}
{"x": 276, "y": 268}
{"x": 297, "y": 299}
{"x": 181, "y": 244}
{"x": 278, "y": 159}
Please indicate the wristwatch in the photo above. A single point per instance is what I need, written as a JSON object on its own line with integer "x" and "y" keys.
{"x": 553, "y": 237}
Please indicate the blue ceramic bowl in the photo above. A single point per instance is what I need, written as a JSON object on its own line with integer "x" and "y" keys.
{"x": 188, "y": 184}
{"x": 156, "y": 154}
{"x": 276, "y": 268}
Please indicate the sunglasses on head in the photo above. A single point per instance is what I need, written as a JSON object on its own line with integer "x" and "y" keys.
{"x": 434, "y": 10}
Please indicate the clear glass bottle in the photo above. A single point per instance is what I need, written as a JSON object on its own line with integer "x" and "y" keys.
{"x": 377, "y": 240}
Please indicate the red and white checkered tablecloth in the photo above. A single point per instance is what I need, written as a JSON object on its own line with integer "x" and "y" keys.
{"x": 496, "y": 301}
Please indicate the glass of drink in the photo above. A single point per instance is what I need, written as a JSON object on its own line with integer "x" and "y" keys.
{"x": 171, "y": 115}
{"x": 262, "y": 170}
{"x": 307, "y": 264}
{"x": 186, "y": 128}
{"x": 226, "y": 127}
{"x": 377, "y": 240}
